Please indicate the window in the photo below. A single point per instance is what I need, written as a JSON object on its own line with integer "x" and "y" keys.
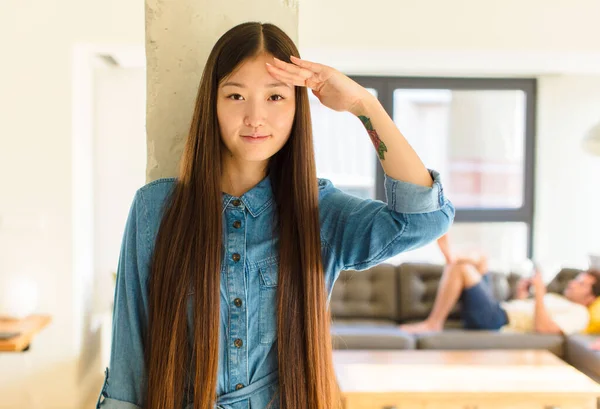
{"x": 478, "y": 133}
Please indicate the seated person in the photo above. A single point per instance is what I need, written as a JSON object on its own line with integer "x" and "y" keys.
{"x": 467, "y": 279}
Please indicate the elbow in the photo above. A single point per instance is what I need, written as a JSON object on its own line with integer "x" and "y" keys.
{"x": 448, "y": 207}
{"x": 424, "y": 228}
{"x": 446, "y": 218}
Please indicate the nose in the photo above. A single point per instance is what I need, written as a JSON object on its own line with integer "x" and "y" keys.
{"x": 255, "y": 116}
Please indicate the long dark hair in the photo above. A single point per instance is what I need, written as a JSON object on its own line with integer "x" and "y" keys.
{"x": 188, "y": 252}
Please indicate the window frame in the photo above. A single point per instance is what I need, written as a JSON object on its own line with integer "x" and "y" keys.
{"x": 385, "y": 86}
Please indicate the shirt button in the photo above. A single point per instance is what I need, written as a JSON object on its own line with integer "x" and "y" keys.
{"x": 237, "y": 202}
{"x": 239, "y": 386}
{"x": 236, "y": 257}
{"x": 238, "y": 343}
{"x": 237, "y": 224}
{"x": 238, "y": 302}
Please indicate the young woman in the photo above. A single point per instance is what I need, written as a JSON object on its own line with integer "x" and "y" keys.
{"x": 226, "y": 271}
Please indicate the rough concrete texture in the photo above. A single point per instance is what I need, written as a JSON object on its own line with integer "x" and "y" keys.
{"x": 179, "y": 37}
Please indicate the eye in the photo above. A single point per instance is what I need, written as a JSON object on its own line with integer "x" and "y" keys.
{"x": 235, "y": 97}
{"x": 277, "y": 96}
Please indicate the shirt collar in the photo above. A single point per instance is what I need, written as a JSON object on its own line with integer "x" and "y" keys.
{"x": 257, "y": 199}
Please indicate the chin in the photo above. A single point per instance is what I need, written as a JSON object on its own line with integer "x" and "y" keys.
{"x": 257, "y": 156}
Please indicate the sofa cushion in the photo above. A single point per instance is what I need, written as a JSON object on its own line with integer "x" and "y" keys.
{"x": 463, "y": 339}
{"x": 378, "y": 335}
{"x": 417, "y": 287}
{"x": 580, "y": 355}
{"x": 369, "y": 294}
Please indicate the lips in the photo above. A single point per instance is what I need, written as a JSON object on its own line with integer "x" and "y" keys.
{"x": 255, "y": 136}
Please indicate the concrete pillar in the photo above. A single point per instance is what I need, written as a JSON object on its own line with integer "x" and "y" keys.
{"x": 179, "y": 37}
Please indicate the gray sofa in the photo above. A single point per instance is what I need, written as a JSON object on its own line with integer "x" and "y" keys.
{"x": 367, "y": 307}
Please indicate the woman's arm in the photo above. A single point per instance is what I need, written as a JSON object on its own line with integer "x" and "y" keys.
{"x": 397, "y": 157}
{"x": 125, "y": 378}
{"x": 340, "y": 93}
{"x": 362, "y": 233}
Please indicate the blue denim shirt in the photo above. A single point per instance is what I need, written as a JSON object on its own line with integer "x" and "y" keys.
{"x": 355, "y": 234}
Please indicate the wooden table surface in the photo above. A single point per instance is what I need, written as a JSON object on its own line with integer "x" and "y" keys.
{"x": 423, "y": 375}
{"x": 28, "y": 327}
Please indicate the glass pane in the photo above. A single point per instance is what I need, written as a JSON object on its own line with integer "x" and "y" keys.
{"x": 505, "y": 245}
{"x": 343, "y": 150}
{"x": 474, "y": 138}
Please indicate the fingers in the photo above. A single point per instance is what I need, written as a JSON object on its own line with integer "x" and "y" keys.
{"x": 313, "y": 66}
{"x": 285, "y": 76}
{"x": 301, "y": 78}
{"x": 293, "y": 74}
{"x": 293, "y": 69}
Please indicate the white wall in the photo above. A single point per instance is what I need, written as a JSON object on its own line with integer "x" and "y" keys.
{"x": 118, "y": 166}
{"x": 568, "y": 194}
{"x": 511, "y": 37}
{"x": 119, "y": 160}
{"x": 36, "y": 80}
{"x": 544, "y": 25}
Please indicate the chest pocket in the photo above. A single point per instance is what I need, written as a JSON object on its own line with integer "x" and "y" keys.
{"x": 267, "y": 319}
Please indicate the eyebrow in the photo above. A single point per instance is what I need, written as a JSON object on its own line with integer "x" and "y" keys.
{"x": 271, "y": 85}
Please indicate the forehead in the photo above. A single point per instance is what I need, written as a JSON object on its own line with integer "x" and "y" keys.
{"x": 252, "y": 73}
{"x": 586, "y": 278}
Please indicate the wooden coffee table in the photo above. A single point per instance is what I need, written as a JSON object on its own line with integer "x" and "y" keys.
{"x": 483, "y": 379}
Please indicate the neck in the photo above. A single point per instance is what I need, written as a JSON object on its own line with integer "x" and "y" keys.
{"x": 239, "y": 178}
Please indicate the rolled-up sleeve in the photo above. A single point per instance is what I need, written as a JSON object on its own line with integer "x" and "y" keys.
{"x": 403, "y": 197}
{"x": 361, "y": 233}
{"x": 125, "y": 378}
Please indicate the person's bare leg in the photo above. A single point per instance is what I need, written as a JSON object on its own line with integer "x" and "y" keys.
{"x": 455, "y": 278}
{"x": 444, "y": 245}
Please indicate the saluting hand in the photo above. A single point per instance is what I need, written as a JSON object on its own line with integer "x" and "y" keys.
{"x": 334, "y": 89}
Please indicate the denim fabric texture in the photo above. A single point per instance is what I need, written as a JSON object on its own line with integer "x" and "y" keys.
{"x": 479, "y": 309}
{"x": 356, "y": 234}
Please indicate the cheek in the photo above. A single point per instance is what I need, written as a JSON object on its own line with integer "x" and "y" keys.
{"x": 226, "y": 119}
{"x": 284, "y": 118}
{"x": 220, "y": 116}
